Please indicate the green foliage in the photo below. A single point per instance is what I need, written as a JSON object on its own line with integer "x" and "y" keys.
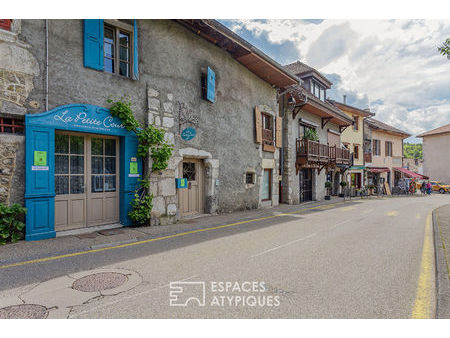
{"x": 151, "y": 143}
{"x": 413, "y": 150}
{"x": 11, "y": 222}
{"x": 343, "y": 184}
{"x": 311, "y": 134}
{"x": 327, "y": 184}
{"x": 445, "y": 48}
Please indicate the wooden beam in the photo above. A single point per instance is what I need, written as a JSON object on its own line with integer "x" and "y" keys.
{"x": 342, "y": 128}
{"x": 325, "y": 120}
{"x": 297, "y": 109}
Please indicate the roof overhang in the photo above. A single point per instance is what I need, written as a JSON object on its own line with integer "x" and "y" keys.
{"x": 352, "y": 110}
{"x": 244, "y": 52}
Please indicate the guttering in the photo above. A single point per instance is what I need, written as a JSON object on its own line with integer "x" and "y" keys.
{"x": 46, "y": 66}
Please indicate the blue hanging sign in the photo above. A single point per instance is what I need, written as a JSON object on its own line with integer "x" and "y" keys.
{"x": 181, "y": 183}
{"x": 188, "y": 134}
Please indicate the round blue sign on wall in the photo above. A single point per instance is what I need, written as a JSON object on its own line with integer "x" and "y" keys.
{"x": 188, "y": 134}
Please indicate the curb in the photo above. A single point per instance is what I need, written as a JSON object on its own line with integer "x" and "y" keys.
{"x": 442, "y": 274}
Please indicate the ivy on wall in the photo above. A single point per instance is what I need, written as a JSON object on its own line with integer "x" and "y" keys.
{"x": 151, "y": 144}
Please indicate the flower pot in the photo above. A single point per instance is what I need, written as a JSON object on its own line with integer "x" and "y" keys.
{"x": 341, "y": 195}
{"x": 327, "y": 198}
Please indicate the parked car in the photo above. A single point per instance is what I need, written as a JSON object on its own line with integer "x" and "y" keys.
{"x": 439, "y": 186}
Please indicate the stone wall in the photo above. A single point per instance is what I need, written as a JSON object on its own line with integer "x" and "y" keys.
{"x": 11, "y": 154}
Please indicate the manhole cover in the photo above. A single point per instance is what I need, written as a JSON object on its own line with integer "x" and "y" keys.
{"x": 24, "y": 311}
{"x": 99, "y": 281}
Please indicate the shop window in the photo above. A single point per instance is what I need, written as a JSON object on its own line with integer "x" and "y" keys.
{"x": 250, "y": 178}
{"x": 11, "y": 125}
{"x": 5, "y": 24}
{"x": 267, "y": 185}
{"x": 69, "y": 164}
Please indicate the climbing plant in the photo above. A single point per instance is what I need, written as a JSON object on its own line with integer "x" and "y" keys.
{"x": 151, "y": 144}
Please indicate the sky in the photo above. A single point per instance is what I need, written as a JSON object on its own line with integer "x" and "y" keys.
{"x": 392, "y": 67}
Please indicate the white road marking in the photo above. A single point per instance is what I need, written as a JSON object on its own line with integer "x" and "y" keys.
{"x": 340, "y": 223}
{"x": 284, "y": 245}
{"x": 128, "y": 297}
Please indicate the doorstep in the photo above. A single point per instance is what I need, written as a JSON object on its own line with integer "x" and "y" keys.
{"x": 87, "y": 230}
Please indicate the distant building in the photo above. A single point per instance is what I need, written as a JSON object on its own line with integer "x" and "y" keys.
{"x": 436, "y": 153}
{"x": 413, "y": 164}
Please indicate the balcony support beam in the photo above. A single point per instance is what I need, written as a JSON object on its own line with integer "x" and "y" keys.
{"x": 325, "y": 120}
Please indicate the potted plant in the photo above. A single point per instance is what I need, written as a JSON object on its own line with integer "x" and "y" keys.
{"x": 328, "y": 187}
{"x": 311, "y": 134}
{"x": 370, "y": 187}
{"x": 343, "y": 184}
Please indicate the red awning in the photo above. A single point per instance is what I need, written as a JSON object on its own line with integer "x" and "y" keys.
{"x": 411, "y": 174}
{"x": 377, "y": 170}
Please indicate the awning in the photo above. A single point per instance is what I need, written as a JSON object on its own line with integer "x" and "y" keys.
{"x": 411, "y": 174}
{"x": 377, "y": 170}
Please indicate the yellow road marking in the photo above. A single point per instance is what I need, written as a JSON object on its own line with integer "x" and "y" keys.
{"x": 423, "y": 303}
{"x": 52, "y": 258}
{"x": 392, "y": 213}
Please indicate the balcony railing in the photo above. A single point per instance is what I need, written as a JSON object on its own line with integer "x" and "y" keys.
{"x": 317, "y": 154}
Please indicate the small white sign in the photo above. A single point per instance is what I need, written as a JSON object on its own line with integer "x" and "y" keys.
{"x": 134, "y": 175}
{"x": 39, "y": 168}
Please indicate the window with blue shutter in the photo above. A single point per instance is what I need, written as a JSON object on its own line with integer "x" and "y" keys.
{"x": 211, "y": 85}
{"x": 93, "y": 44}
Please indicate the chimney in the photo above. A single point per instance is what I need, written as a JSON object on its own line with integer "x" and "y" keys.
{"x": 345, "y": 99}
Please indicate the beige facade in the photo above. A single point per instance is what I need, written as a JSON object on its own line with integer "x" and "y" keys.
{"x": 436, "y": 157}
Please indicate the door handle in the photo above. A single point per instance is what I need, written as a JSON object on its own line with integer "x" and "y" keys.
{"x": 189, "y": 185}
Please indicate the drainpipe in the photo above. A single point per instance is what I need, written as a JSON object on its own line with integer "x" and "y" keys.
{"x": 46, "y": 65}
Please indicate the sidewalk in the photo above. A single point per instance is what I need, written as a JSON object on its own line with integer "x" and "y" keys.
{"x": 441, "y": 225}
{"x": 22, "y": 251}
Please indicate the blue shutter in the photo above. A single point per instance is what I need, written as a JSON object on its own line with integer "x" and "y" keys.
{"x": 135, "y": 54}
{"x": 93, "y": 44}
{"x": 211, "y": 85}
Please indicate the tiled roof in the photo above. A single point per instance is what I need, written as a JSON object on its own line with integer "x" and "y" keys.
{"x": 381, "y": 125}
{"x": 298, "y": 68}
{"x": 440, "y": 130}
{"x": 342, "y": 106}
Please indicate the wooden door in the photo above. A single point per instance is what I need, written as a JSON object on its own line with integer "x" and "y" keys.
{"x": 86, "y": 180}
{"x": 103, "y": 191}
{"x": 190, "y": 200}
{"x": 305, "y": 183}
{"x": 70, "y": 181}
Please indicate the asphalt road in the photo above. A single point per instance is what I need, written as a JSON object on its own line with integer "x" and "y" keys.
{"x": 364, "y": 260}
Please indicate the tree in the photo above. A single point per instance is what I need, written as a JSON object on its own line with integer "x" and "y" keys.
{"x": 413, "y": 150}
{"x": 445, "y": 48}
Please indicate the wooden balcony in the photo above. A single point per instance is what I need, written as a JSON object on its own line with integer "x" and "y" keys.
{"x": 340, "y": 155}
{"x": 311, "y": 153}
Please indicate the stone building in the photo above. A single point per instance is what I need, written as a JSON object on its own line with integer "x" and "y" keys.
{"x": 213, "y": 93}
{"x": 309, "y": 163}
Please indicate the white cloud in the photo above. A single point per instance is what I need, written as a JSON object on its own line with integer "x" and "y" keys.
{"x": 390, "y": 61}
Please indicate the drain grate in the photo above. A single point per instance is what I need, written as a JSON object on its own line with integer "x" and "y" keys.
{"x": 99, "y": 281}
{"x": 24, "y": 311}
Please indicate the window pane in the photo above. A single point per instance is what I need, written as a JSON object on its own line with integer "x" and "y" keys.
{"x": 109, "y": 35}
{"x": 97, "y": 146}
{"x": 77, "y": 164}
{"x": 108, "y": 50}
{"x": 76, "y": 184}
{"x": 189, "y": 171}
{"x": 123, "y": 39}
{"x": 61, "y": 185}
{"x": 97, "y": 165}
{"x": 110, "y": 165}
{"x": 110, "y": 183}
{"x": 123, "y": 53}
{"x": 62, "y": 144}
{"x": 61, "y": 164}
{"x": 76, "y": 144}
{"x": 97, "y": 183}
{"x": 123, "y": 69}
{"x": 108, "y": 65}
{"x": 110, "y": 147}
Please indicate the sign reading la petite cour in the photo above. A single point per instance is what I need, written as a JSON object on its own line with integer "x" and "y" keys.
{"x": 82, "y": 119}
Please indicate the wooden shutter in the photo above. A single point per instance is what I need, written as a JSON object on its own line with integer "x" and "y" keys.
{"x": 93, "y": 44}
{"x": 386, "y": 148}
{"x": 135, "y": 53}
{"x": 278, "y": 133}
{"x": 258, "y": 125}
